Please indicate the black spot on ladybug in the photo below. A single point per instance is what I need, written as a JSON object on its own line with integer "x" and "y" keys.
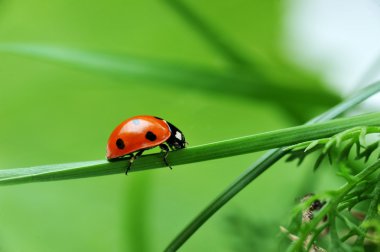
{"x": 120, "y": 143}
{"x": 150, "y": 136}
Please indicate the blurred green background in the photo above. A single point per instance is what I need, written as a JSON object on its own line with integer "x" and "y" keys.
{"x": 217, "y": 70}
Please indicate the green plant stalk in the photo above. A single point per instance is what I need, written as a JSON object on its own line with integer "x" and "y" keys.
{"x": 333, "y": 204}
{"x": 316, "y": 234}
{"x": 267, "y": 160}
{"x": 373, "y": 207}
{"x": 349, "y": 224}
{"x": 372, "y": 212}
{"x": 347, "y": 236}
{"x": 227, "y": 148}
{"x": 335, "y": 243}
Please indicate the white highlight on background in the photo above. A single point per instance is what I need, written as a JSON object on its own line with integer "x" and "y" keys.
{"x": 338, "y": 38}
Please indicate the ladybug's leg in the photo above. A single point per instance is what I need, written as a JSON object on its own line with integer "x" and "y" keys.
{"x": 165, "y": 150}
{"x": 132, "y": 159}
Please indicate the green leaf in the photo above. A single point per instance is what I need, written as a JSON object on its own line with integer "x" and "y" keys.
{"x": 297, "y": 154}
{"x": 346, "y": 150}
{"x": 330, "y": 144}
{"x": 312, "y": 145}
{"x": 345, "y": 172}
{"x": 366, "y": 153}
{"x": 363, "y": 133}
{"x": 319, "y": 161}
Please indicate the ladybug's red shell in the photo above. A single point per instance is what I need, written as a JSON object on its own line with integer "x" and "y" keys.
{"x": 137, "y": 133}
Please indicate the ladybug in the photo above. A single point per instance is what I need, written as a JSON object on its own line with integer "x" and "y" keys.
{"x": 139, "y": 133}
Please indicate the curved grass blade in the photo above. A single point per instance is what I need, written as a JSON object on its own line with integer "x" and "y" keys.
{"x": 172, "y": 74}
{"x": 267, "y": 160}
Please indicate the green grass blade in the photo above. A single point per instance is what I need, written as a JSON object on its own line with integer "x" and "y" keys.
{"x": 227, "y": 148}
{"x": 261, "y": 165}
{"x": 177, "y": 75}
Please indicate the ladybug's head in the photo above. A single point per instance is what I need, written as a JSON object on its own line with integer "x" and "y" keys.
{"x": 179, "y": 142}
{"x": 177, "y": 139}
